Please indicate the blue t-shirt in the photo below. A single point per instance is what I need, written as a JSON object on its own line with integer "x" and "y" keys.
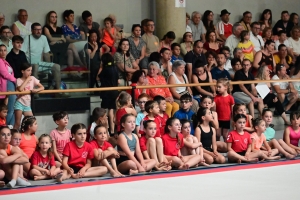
{"x": 181, "y": 114}
{"x": 140, "y": 116}
{"x": 269, "y": 133}
{"x": 216, "y": 73}
{"x": 173, "y": 58}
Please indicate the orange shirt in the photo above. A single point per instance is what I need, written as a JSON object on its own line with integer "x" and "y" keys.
{"x": 2, "y": 121}
{"x": 107, "y": 39}
{"x": 159, "y": 80}
{"x": 258, "y": 140}
{"x": 28, "y": 146}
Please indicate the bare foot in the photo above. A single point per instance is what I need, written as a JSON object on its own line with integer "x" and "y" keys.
{"x": 115, "y": 174}
{"x": 290, "y": 156}
{"x": 75, "y": 176}
{"x": 274, "y": 158}
{"x": 132, "y": 172}
{"x": 120, "y": 174}
{"x": 254, "y": 160}
{"x": 184, "y": 167}
{"x": 239, "y": 161}
{"x": 59, "y": 175}
{"x": 59, "y": 179}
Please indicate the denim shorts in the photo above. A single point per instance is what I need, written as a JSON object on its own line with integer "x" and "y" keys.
{"x": 23, "y": 108}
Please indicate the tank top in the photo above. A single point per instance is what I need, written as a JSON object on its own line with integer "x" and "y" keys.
{"x": 206, "y": 138}
{"x": 8, "y": 149}
{"x": 131, "y": 143}
{"x": 206, "y": 88}
{"x": 177, "y": 81}
{"x": 119, "y": 114}
{"x": 247, "y": 121}
{"x": 28, "y": 146}
{"x": 267, "y": 60}
{"x": 24, "y": 30}
{"x": 107, "y": 39}
{"x": 294, "y": 137}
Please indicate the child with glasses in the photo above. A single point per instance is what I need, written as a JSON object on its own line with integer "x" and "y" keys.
{"x": 185, "y": 111}
{"x": 142, "y": 99}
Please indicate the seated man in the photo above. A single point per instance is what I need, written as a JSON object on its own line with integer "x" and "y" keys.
{"x": 197, "y": 27}
{"x": 282, "y": 39}
{"x": 22, "y": 27}
{"x": 246, "y": 93}
{"x": 88, "y": 25}
{"x": 238, "y": 53}
{"x": 36, "y": 47}
{"x": 295, "y": 41}
{"x": 219, "y": 71}
{"x": 255, "y": 38}
{"x": 282, "y": 57}
{"x": 285, "y": 91}
{"x": 192, "y": 57}
{"x": 233, "y": 40}
{"x": 226, "y": 51}
{"x": 284, "y": 24}
{"x": 152, "y": 43}
{"x": 224, "y": 28}
{"x": 6, "y": 35}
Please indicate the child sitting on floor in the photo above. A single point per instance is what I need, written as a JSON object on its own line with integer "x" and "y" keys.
{"x": 104, "y": 151}
{"x": 162, "y": 115}
{"x": 43, "y": 165}
{"x": 292, "y": 133}
{"x": 77, "y": 157}
{"x": 240, "y": 108}
{"x": 60, "y": 136}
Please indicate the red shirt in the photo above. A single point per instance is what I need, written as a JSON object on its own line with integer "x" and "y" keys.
{"x": 104, "y": 147}
{"x": 138, "y": 92}
{"x": 171, "y": 146}
{"x": 2, "y": 122}
{"x": 157, "y": 122}
{"x": 43, "y": 162}
{"x": 224, "y": 106}
{"x": 119, "y": 114}
{"x": 227, "y": 30}
{"x": 78, "y": 156}
{"x": 163, "y": 119}
{"x": 239, "y": 142}
{"x": 143, "y": 143}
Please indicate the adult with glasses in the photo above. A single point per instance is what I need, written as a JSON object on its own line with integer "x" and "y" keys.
{"x": 6, "y": 36}
{"x": 187, "y": 43}
{"x": 22, "y": 27}
{"x": 246, "y": 20}
{"x": 255, "y": 38}
{"x": 152, "y": 42}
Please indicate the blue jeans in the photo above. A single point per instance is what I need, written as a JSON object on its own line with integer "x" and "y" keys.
{"x": 10, "y": 118}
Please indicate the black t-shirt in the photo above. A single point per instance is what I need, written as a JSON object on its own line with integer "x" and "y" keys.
{"x": 15, "y": 61}
{"x": 287, "y": 29}
{"x": 241, "y": 76}
{"x": 191, "y": 57}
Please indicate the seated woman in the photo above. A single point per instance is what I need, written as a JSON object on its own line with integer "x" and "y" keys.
{"x": 271, "y": 99}
{"x": 267, "y": 34}
{"x": 155, "y": 79}
{"x": 57, "y": 42}
{"x": 72, "y": 34}
{"x": 211, "y": 43}
{"x": 94, "y": 50}
{"x": 123, "y": 53}
{"x": 201, "y": 75}
{"x": 187, "y": 43}
{"x": 137, "y": 44}
{"x": 165, "y": 62}
{"x": 10, "y": 159}
{"x": 139, "y": 78}
{"x": 265, "y": 57}
{"x": 167, "y": 40}
{"x": 236, "y": 64}
{"x": 208, "y": 22}
{"x": 178, "y": 77}
{"x": 265, "y": 19}
{"x": 211, "y": 58}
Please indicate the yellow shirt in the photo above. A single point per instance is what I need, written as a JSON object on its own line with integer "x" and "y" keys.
{"x": 247, "y": 49}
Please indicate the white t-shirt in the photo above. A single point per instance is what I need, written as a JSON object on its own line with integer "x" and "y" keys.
{"x": 282, "y": 85}
{"x": 37, "y": 48}
{"x": 232, "y": 42}
{"x": 188, "y": 29}
{"x": 257, "y": 41}
{"x": 177, "y": 81}
{"x": 295, "y": 45}
{"x": 286, "y": 43}
{"x": 92, "y": 131}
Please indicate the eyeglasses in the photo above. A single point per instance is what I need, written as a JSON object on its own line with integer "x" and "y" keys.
{"x": 7, "y": 32}
{"x": 142, "y": 102}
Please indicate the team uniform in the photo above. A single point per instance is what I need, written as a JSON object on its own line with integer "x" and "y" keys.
{"x": 171, "y": 146}
{"x": 239, "y": 142}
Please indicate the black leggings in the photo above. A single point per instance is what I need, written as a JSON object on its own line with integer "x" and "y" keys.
{"x": 277, "y": 105}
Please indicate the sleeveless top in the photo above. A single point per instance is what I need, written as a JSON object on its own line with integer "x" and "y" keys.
{"x": 206, "y": 88}
{"x": 28, "y": 146}
{"x": 267, "y": 60}
{"x": 131, "y": 143}
{"x": 206, "y": 138}
{"x": 177, "y": 81}
{"x": 247, "y": 121}
{"x": 57, "y": 33}
{"x": 8, "y": 149}
{"x": 107, "y": 39}
{"x": 24, "y": 30}
{"x": 294, "y": 137}
{"x": 119, "y": 114}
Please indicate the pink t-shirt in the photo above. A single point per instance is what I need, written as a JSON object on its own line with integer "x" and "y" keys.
{"x": 258, "y": 140}
{"x": 61, "y": 139}
{"x": 25, "y": 99}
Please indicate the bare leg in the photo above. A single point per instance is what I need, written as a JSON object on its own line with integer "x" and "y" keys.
{"x": 208, "y": 158}
{"x": 225, "y": 134}
{"x": 18, "y": 116}
{"x": 220, "y": 159}
{"x": 159, "y": 149}
{"x": 197, "y": 151}
{"x": 150, "y": 164}
{"x": 251, "y": 108}
{"x": 235, "y": 157}
{"x": 111, "y": 113}
{"x": 72, "y": 51}
{"x": 192, "y": 160}
{"x": 2, "y": 174}
{"x": 221, "y": 147}
{"x": 128, "y": 166}
{"x": 284, "y": 148}
{"x": 64, "y": 176}
{"x": 95, "y": 171}
{"x": 218, "y": 134}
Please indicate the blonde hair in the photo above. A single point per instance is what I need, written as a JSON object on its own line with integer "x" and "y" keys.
{"x": 260, "y": 73}
{"x": 225, "y": 82}
{"x": 122, "y": 99}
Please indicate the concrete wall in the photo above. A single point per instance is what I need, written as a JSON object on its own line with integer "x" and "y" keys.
{"x": 129, "y": 12}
